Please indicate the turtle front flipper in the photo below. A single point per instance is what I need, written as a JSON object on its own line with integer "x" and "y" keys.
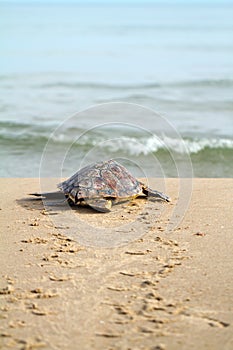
{"x": 102, "y": 205}
{"x": 49, "y": 195}
{"x": 51, "y": 198}
{"x": 153, "y": 193}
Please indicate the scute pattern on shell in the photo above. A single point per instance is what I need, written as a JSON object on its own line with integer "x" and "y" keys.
{"x": 101, "y": 180}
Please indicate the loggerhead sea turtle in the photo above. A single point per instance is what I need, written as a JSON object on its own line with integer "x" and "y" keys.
{"x": 103, "y": 184}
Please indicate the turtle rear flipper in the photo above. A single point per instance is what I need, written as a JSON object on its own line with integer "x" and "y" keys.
{"x": 153, "y": 193}
{"x": 102, "y": 205}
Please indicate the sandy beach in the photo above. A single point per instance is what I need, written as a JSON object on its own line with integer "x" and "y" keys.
{"x": 161, "y": 290}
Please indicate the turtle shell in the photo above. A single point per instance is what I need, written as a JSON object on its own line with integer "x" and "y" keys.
{"x": 107, "y": 179}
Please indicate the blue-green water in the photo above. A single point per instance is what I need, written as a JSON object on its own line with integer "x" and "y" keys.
{"x": 175, "y": 58}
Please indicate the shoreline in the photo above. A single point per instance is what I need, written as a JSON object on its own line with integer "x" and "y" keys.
{"x": 158, "y": 291}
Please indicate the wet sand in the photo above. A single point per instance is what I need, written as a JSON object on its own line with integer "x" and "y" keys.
{"x": 158, "y": 289}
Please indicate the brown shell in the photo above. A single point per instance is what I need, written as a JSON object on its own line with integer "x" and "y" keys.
{"x": 107, "y": 179}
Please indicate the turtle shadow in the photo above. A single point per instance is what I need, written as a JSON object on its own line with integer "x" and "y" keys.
{"x": 56, "y": 207}
{"x": 53, "y": 208}
{"x": 30, "y": 203}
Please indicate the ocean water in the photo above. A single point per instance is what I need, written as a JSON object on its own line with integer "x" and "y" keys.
{"x": 150, "y": 84}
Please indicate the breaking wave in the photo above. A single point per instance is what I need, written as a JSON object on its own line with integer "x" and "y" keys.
{"x": 12, "y": 134}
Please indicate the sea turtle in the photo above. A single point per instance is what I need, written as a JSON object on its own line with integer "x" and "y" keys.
{"x": 103, "y": 184}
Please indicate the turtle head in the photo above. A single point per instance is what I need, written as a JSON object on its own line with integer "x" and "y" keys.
{"x": 102, "y": 205}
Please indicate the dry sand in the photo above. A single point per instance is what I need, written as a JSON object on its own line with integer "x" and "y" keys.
{"x": 162, "y": 290}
